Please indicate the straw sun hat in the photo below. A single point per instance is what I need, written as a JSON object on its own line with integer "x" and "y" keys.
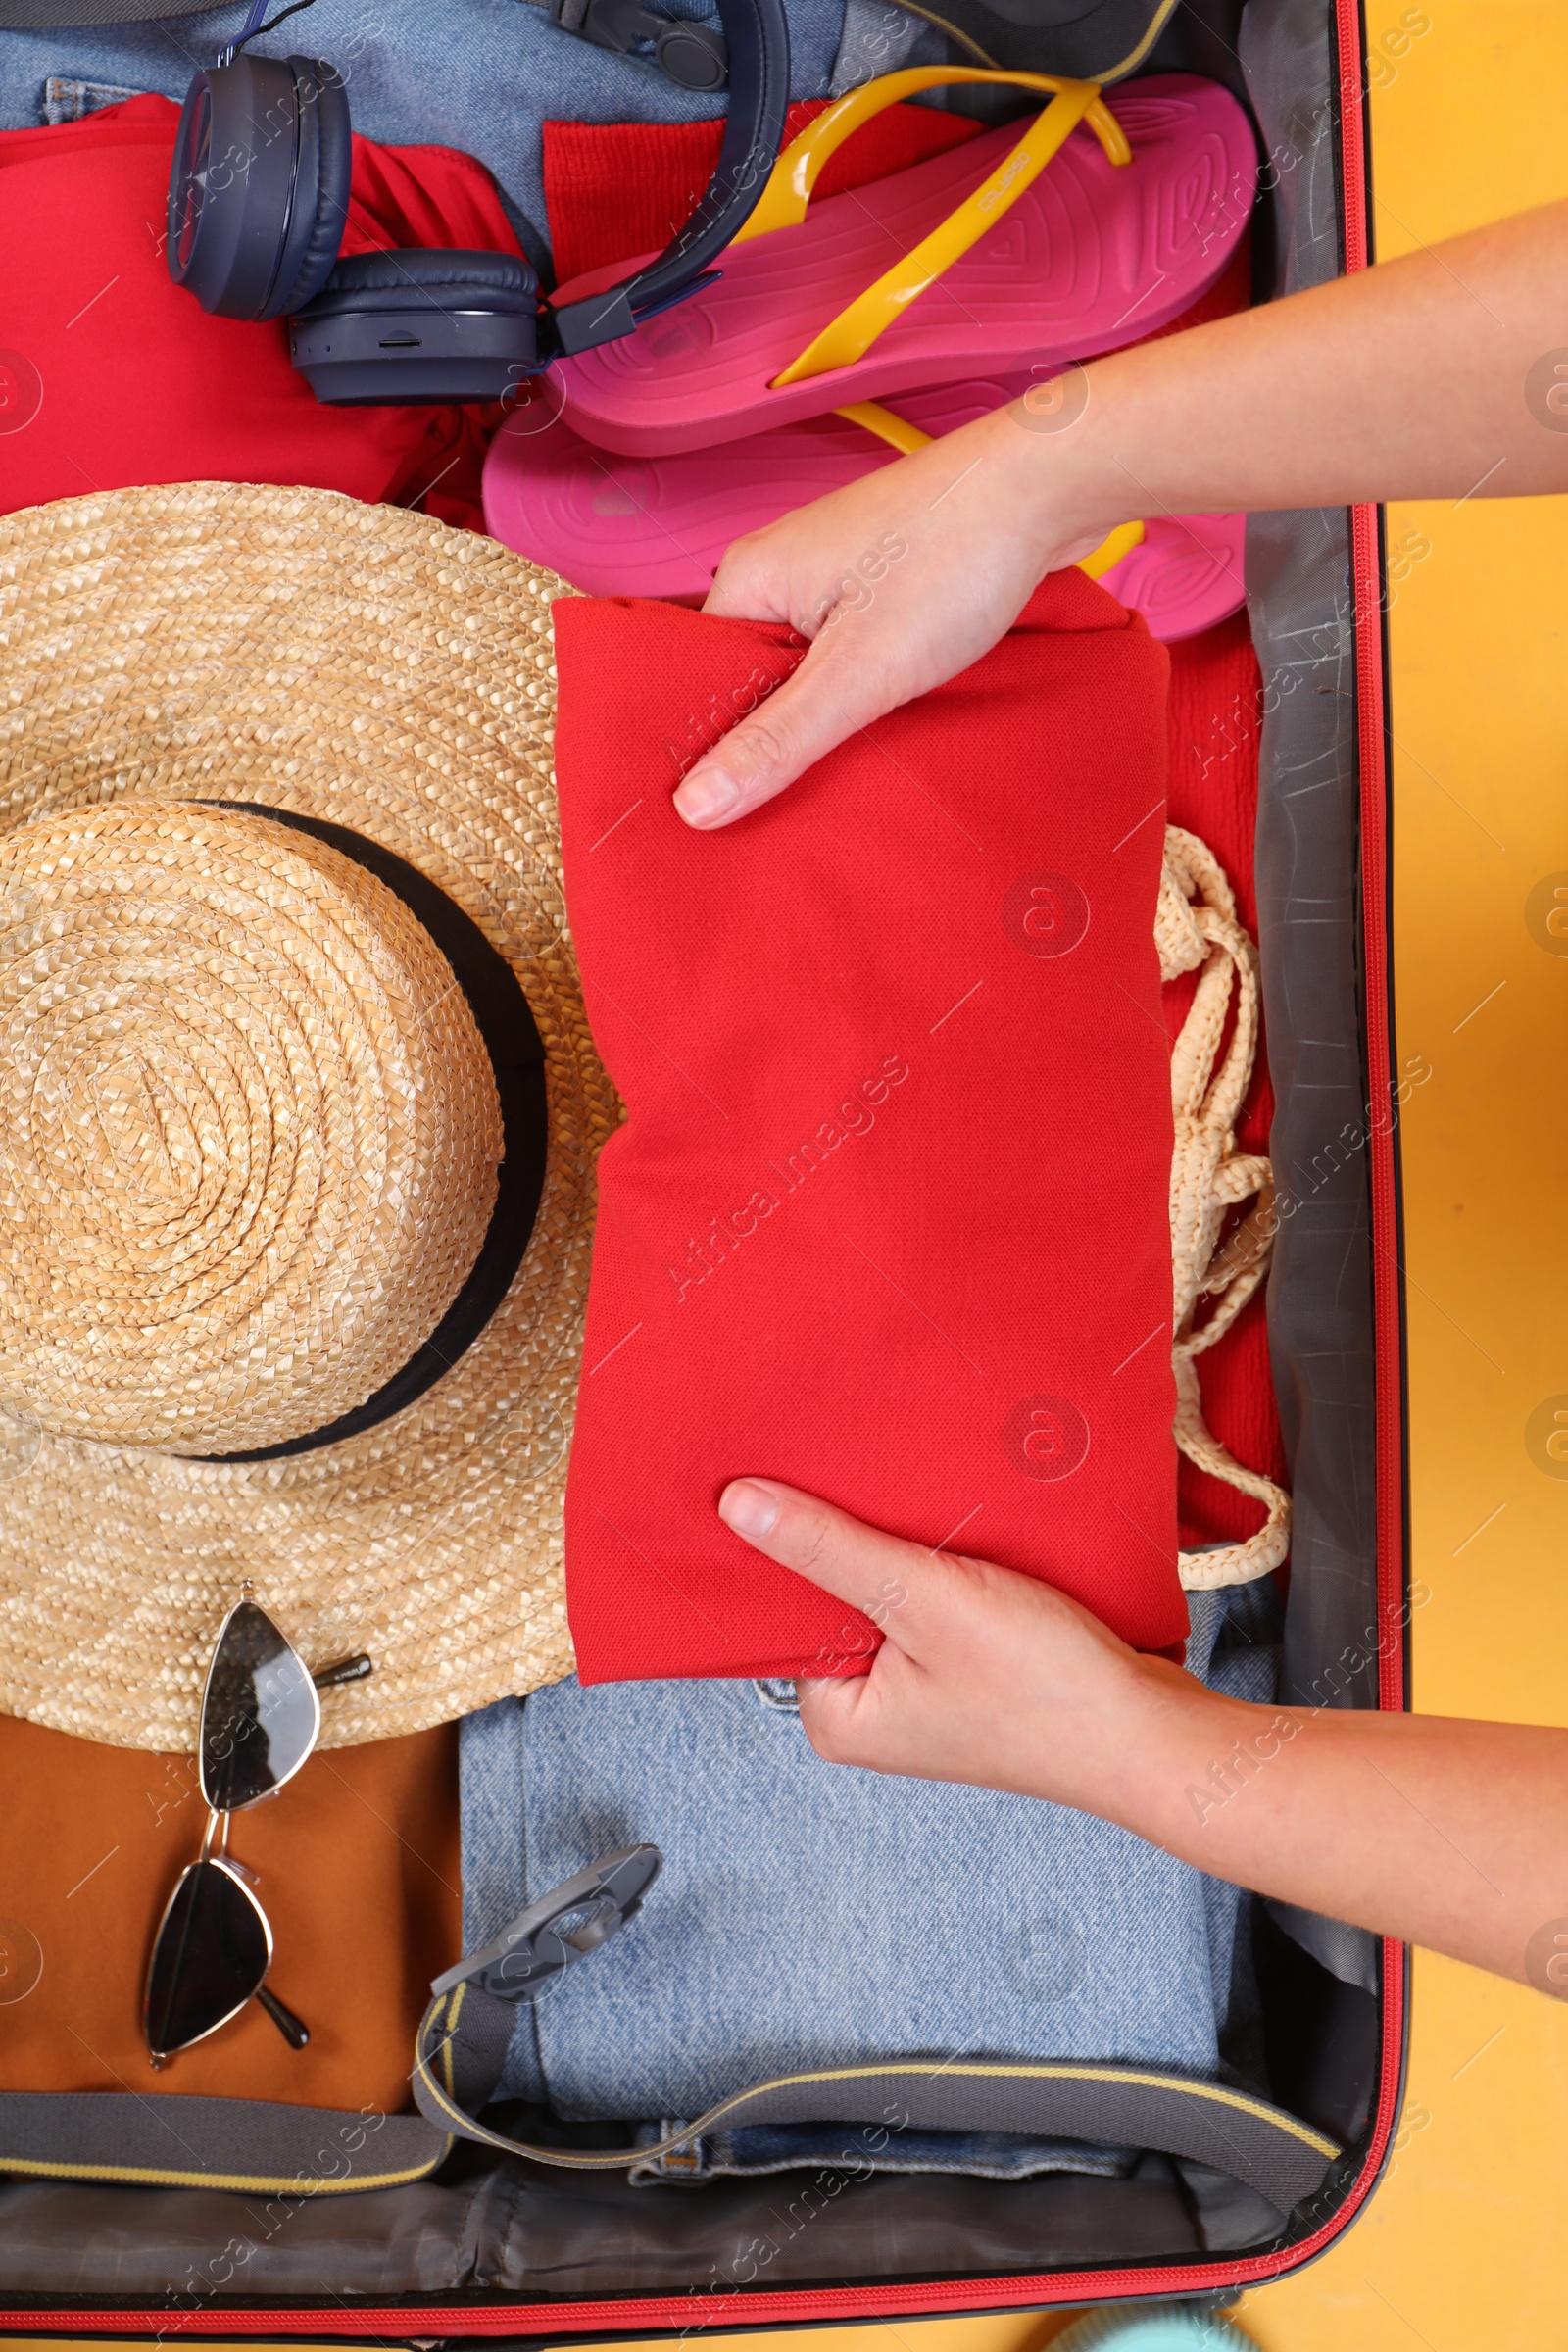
{"x": 298, "y": 1107}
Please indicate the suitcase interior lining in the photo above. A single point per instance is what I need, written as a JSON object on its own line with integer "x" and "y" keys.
{"x": 487, "y": 2227}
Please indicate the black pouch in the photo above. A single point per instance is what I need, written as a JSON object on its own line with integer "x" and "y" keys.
{"x": 1093, "y": 40}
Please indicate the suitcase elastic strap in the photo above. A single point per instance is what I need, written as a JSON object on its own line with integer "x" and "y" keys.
{"x": 466, "y": 2031}
{"x": 255, "y": 2147}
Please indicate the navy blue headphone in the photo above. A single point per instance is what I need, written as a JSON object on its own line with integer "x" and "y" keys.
{"x": 259, "y": 194}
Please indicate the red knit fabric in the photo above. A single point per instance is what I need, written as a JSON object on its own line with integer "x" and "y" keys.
{"x": 114, "y": 376}
{"x": 616, "y": 189}
{"x": 888, "y": 1216}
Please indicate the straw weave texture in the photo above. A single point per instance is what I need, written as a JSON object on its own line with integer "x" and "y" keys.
{"x": 249, "y": 1131}
{"x": 375, "y": 669}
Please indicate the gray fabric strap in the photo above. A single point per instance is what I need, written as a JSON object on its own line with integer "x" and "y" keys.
{"x": 34, "y": 16}
{"x": 267, "y": 2149}
{"x": 463, "y": 2035}
{"x": 253, "y": 2145}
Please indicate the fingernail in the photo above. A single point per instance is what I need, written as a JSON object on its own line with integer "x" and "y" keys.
{"x": 704, "y": 799}
{"x": 750, "y": 1510}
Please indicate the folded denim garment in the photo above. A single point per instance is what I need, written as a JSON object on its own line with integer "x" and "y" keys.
{"x": 483, "y": 76}
{"x": 860, "y": 2149}
{"x": 813, "y": 1914}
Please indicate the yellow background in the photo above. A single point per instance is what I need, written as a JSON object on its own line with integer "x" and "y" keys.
{"x": 1466, "y": 2243}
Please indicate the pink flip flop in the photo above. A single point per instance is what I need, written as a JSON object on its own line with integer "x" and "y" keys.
{"x": 1184, "y": 576}
{"x": 657, "y": 526}
{"x": 991, "y": 264}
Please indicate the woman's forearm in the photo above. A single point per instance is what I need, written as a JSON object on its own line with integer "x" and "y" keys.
{"x": 1438, "y": 1830}
{"x": 1430, "y": 376}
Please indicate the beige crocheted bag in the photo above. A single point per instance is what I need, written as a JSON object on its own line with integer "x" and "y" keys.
{"x": 1195, "y": 930}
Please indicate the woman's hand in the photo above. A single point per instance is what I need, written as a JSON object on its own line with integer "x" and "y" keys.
{"x": 984, "y": 1675}
{"x": 900, "y": 581}
{"x": 1452, "y": 1833}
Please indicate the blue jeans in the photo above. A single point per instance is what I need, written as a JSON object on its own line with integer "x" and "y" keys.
{"x": 477, "y": 74}
{"x": 809, "y": 1914}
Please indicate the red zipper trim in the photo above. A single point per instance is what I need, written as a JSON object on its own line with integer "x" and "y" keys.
{"x": 736, "y": 2312}
{"x": 738, "y": 2309}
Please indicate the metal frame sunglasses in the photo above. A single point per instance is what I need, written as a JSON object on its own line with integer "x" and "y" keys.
{"x": 261, "y": 1719}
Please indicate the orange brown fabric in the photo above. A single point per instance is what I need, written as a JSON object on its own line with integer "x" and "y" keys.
{"x": 358, "y": 1868}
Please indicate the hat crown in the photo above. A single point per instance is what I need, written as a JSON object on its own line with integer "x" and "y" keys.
{"x": 249, "y": 1131}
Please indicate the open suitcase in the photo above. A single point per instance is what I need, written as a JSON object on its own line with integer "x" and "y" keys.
{"x": 492, "y": 2246}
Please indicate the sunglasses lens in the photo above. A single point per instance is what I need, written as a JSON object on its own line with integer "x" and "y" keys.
{"x": 260, "y": 1713}
{"x": 210, "y": 1958}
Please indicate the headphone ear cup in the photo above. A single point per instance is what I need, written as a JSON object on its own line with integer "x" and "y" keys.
{"x": 321, "y": 176}
{"x": 232, "y": 185}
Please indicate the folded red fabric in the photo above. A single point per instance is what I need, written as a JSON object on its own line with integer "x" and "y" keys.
{"x": 888, "y": 1218}
{"x": 114, "y": 376}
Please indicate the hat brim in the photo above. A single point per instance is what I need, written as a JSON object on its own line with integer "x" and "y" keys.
{"x": 297, "y": 649}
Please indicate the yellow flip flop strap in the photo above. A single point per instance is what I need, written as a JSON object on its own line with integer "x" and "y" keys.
{"x": 1112, "y": 549}
{"x": 784, "y": 201}
{"x": 896, "y": 431}
{"x": 907, "y": 438}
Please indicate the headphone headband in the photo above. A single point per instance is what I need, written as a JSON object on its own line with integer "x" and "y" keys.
{"x": 759, "y": 37}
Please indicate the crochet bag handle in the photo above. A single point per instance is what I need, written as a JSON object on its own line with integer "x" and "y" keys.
{"x": 1211, "y": 1067}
